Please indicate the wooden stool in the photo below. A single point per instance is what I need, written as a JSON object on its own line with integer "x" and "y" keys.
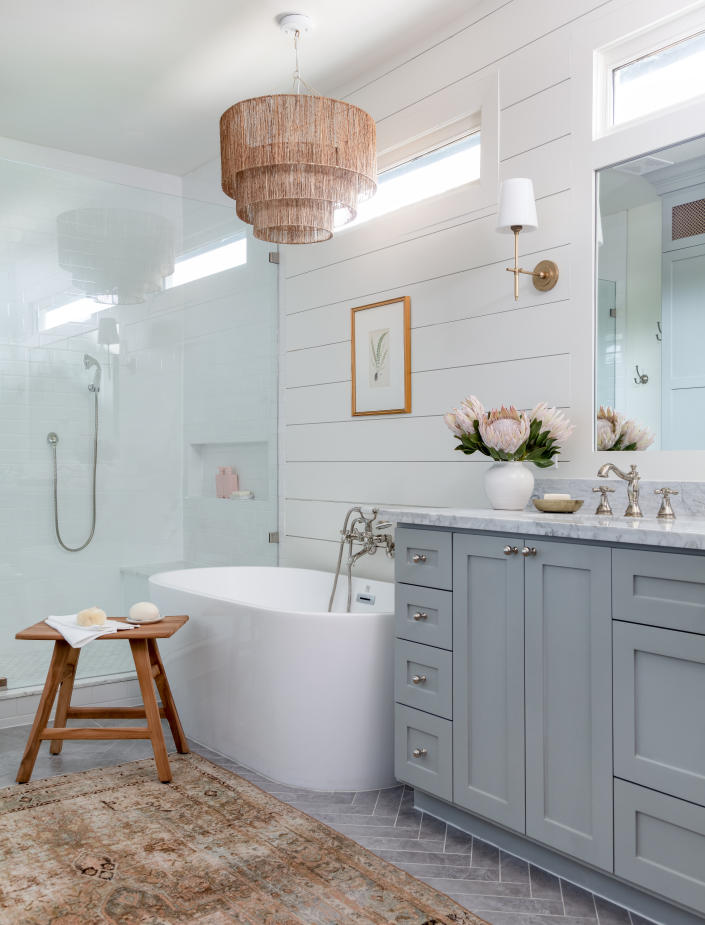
{"x": 62, "y": 671}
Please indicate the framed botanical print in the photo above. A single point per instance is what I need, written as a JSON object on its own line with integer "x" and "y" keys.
{"x": 381, "y": 357}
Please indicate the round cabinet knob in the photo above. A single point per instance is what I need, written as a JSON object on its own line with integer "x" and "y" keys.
{"x": 418, "y": 558}
{"x": 528, "y": 551}
{"x": 419, "y": 679}
{"x": 420, "y": 615}
{"x": 510, "y": 550}
{"x": 420, "y": 752}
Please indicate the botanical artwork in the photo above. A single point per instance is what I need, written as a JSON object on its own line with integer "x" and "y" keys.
{"x": 380, "y": 354}
{"x": 379, "y": 358}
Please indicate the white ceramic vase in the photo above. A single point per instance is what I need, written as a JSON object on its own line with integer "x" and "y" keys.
{"x": 508, "y": 485}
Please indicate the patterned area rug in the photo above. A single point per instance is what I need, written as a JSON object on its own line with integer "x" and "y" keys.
{"x": 116, "y": 846}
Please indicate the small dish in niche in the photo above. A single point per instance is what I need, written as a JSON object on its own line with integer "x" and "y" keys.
{"x": 554, "y": 506}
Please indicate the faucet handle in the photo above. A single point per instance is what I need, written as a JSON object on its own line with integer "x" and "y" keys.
{"x": 604, "y": 506}
{"x": 665, "y": 512}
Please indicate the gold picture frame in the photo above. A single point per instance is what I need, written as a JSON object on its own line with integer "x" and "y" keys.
{"x": 381, "y": 340}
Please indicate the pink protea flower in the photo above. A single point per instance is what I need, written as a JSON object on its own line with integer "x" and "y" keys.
{"x": 451, "y": 419}
{"x": 635, "y": 433}
{"x": 609, "y": 427}
{"x": 472, "y": 408}
{"x": 462, "y": 420}
{"x": 505, "y": 430}
{"x": 554, "y": 421}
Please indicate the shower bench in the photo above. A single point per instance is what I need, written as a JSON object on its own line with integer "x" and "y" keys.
{"x": 60, "y": 677}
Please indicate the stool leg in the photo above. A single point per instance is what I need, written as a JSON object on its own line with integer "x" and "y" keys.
{"x": 55, "y": 674}
{"x": 64, "y": 699}
{"x": 140, "y": 654}
{"x": 170, "y": 711}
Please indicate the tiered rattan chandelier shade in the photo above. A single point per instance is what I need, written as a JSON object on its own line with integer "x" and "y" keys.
{"x": 294, "y": 163}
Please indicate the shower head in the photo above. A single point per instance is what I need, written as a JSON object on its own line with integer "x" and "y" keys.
{"x": 88, "y": 362}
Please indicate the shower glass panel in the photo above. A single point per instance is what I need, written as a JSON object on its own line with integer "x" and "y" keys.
{"x": 177, "y": 304}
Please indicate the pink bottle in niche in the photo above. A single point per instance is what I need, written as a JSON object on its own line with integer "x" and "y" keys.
{"x": 226, "y": 482}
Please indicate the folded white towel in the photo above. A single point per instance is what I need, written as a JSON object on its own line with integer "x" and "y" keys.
{"x": 78, "y": 636}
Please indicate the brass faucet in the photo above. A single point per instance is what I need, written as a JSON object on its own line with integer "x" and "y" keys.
{"x": 632, "y": 479}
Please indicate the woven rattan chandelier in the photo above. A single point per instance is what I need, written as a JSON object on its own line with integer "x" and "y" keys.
{"x": 296, "y": 163}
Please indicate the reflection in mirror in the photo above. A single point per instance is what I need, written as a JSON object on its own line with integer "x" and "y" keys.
{"x": 650, "y": 301}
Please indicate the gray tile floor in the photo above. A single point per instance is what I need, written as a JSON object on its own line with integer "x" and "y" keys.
{"x": 499, "y": 887}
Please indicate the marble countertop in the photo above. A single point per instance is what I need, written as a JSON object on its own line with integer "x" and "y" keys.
{"x": 686, "y": 532}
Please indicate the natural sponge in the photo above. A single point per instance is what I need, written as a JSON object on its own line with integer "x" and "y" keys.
{"x": 92, "y": 616}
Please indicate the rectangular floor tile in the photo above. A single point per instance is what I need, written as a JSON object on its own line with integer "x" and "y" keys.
{"x": 609, "y": 914}
{"x": 543, "y": 884}
{"x": 577, "y": 901}
{"x": 473, "y": 887}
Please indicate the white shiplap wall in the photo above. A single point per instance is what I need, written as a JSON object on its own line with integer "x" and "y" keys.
{"x": 468, "y": 335}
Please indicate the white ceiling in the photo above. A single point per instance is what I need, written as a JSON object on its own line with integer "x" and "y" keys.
{"x": 144, "y": 82}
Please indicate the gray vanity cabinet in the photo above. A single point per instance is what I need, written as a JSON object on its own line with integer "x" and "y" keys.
{"x": 568, "y": 633}
{"x": 488, "y": 677}
{"x": 556, "y": 688}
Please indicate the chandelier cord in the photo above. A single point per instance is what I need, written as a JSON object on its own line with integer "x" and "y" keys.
{"x": 298, "y": 79}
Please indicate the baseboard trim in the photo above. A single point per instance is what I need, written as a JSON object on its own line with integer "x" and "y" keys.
{"x": 17, "y": 707}
{"x": 605, "y": 885}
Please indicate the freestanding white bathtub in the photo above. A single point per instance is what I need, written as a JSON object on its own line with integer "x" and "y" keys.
{"x": 263, "y": 674}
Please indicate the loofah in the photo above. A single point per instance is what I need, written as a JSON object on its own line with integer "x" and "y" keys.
{"x": 92, "y": 616}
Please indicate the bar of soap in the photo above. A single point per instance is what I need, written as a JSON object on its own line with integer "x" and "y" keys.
{"x": 144, "y": 612}
{"x": 91, "y": 616}
{"x": 556, "y": 496}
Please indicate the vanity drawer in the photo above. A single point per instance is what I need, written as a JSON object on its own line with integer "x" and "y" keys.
{"x": 423, "y": 751}
{"x": 423, "y": 678}
{"x": 424, "y": 557}
{"x": 424, "y": 615}
{"x": 659, "y": 721}
{"x": 659, "y": 843}
{"x": 660, "y": 588}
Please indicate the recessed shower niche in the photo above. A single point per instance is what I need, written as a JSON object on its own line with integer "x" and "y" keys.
{"x": 251, "y": 461}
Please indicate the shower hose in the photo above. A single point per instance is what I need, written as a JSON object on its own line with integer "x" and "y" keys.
{"x": 56, "y": 479}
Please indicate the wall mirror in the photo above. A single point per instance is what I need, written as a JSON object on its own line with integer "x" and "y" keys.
{"x": 650, "y": 292}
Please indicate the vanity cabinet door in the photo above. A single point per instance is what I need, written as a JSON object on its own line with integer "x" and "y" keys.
{"x": 488, "y": 678}
{"x": 569, "y": 699}
{"x": 659, "y": 720}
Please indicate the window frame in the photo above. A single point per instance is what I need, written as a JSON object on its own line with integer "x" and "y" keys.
{"x": 625, "y": 51}
{"x": 471, "y": 104}
{"x": 408, "y": 159}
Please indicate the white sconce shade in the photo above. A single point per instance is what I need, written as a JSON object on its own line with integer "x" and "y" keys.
{"x": 517, "y": 206}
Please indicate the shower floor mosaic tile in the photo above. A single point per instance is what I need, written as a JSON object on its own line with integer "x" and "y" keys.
{"x": 500, "y": 888}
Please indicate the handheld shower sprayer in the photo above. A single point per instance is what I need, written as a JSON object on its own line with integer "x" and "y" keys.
{"x": 88, "y": 363}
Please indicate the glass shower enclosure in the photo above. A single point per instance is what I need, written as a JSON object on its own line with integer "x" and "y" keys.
{"x": 159, "y": 312}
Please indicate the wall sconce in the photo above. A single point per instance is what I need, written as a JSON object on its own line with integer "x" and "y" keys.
{"x": 517, "y": 212}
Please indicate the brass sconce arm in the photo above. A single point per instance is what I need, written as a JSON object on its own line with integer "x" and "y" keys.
{"x": 545, "y": 273}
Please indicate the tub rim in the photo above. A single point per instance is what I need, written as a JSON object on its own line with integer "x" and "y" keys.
{"x": 259, "y": 607}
